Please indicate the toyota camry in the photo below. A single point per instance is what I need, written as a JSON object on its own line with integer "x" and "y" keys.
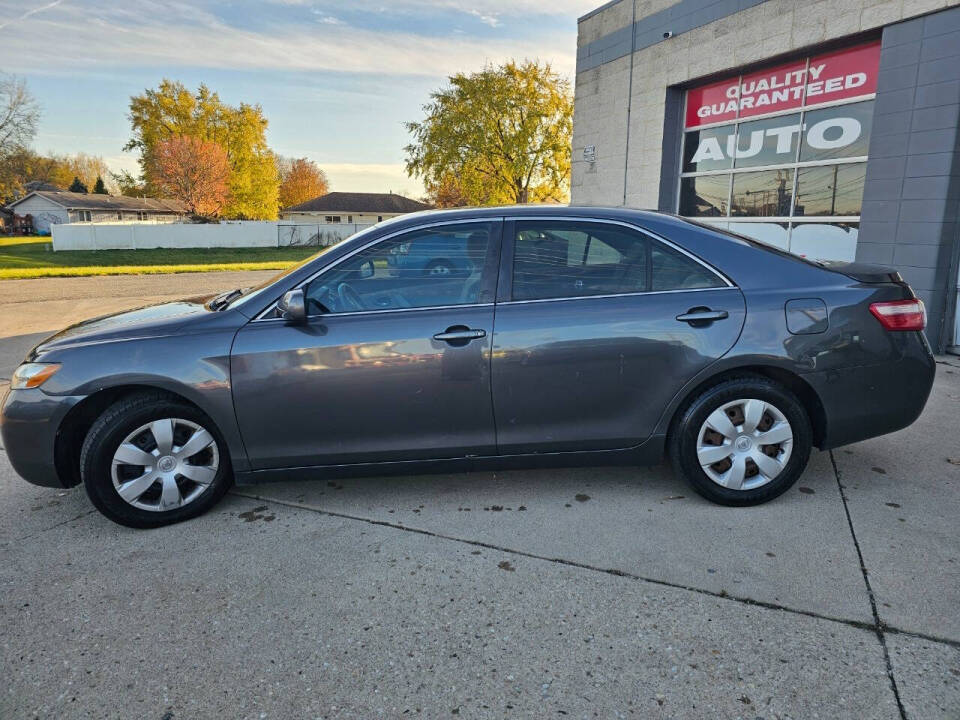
{"x": 566, "y": 336}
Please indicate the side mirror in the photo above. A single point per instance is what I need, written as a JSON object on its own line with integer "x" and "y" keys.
{"x": 292, "y": 306}
{"x": 366, "y": 270}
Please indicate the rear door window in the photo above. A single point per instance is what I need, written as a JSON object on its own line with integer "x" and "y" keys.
{"x": 558, "y": 259}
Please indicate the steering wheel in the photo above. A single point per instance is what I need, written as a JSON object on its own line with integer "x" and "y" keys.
{"x": 349, "y": 298}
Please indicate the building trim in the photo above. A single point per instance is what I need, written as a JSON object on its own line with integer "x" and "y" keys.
{"x": 657, "y": 27}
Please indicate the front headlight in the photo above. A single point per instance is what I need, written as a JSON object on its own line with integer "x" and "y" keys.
{"x": 32, "y": 375}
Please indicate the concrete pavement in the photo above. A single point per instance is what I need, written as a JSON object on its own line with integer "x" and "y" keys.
{"x": 592, "y": 592}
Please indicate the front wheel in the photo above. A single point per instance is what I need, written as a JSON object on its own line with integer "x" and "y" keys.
{"x": 742, "y": 442}
{"x": 150, "y": 460}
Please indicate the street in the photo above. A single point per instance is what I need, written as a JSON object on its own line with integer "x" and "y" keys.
{"x": 591, "y": 592}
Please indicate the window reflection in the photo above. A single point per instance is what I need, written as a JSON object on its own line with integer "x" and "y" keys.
{"x": 830, "y": 190}
{"x": 762, "y": 194}
{"x": 704, "y": 196}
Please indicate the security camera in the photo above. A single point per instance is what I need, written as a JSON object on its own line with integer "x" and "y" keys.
{"x": 668, "y": 34}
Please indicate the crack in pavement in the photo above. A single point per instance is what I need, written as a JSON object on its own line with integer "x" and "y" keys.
{"x": 38, "y": 533}
{"x": 722, "y": 595}
{"x": 878, "y": 625}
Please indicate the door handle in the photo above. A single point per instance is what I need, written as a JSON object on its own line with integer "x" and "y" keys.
{"x": 453, "y": 335}
{"x": 702, "y": 315}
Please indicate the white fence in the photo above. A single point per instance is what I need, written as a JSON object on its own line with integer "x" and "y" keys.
{"x": 239, "y": 234}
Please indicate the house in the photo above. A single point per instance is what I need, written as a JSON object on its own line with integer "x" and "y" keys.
{"x": 54, "y": 207}
{"x": 352, "y": 207}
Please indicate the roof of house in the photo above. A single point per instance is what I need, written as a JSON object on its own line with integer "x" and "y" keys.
{"x": 96, "y": 201}
{"x": 360, "y": 203}
{"x": 39, "y": 185}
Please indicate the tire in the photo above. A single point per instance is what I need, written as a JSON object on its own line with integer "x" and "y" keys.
{"x": 693, "y": 438}
{"x": 103, "y": 474}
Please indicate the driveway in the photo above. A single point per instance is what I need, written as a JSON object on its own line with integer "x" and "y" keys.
{"x": 595, "y": 592}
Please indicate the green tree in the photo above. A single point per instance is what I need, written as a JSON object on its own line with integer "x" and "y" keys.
{"x": 501, "y": 135}
{"x": 171, "y": 110}
{"x": 99, "y": 188}
{"x": 77, "y": 186}
{"x": 129, "y": 185}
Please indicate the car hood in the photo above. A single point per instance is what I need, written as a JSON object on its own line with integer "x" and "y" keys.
{"x": 149, "y": 321}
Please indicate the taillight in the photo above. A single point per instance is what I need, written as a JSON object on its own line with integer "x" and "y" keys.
{"x": 900, "y": 314}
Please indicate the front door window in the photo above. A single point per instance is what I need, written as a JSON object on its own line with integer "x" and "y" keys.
{"x": 432, "y": 267}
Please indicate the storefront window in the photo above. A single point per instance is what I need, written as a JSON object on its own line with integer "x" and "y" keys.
{"x": 830, "y": 190}
{"x": 825, "y": 241}
{"x": 781, "y": 148}
{"x": 776, "y": 234}
{"x": 705, "y": 196}
{"x": 706, "y": 150}
{"x": 837, "y": 132}
{"x": 768, "y": 142}
{"x": 762, "y": 194}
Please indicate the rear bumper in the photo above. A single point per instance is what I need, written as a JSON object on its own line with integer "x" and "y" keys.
{"x": 29, "y": 422}
{"x": 871, "y": 400}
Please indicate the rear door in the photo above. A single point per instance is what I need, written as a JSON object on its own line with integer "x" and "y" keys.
{"x": 598, "y": 325}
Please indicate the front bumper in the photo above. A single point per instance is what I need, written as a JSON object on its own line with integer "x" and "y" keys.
{"x": 29, "y": 423}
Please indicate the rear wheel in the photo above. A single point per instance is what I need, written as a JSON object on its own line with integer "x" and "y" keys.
{"x": 742, "y": 442}
{"x": 150, "y": 460}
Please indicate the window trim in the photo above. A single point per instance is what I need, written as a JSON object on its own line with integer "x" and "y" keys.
{"x": 496, "y": 222}
{"x": 636, "y": 293}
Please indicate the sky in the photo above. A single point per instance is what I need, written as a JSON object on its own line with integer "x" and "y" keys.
{"x": 336, "y": 80}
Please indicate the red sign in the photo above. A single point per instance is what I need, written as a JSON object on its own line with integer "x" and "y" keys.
{"x": 842, "y": 74}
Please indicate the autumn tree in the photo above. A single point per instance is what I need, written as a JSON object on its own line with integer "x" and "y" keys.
{"x": 503, "y": 133}
{"x": 63, "y": 168}
{"x": 447, "y": 192}
{"x": 300, "y": 180}
{"x": 195, "y": 172}
{"x": 171, "y": 110}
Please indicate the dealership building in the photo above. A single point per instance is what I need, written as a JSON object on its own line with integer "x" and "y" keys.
{"x": 828, "y": 129}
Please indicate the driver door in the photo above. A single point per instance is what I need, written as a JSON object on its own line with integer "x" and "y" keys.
{"x": 392, "y": 364}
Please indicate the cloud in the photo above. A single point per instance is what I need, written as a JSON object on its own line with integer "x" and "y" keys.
{"x": 171, "y": 35}
{"x": 28, "y": 13}
{"x": 489, "y": 19}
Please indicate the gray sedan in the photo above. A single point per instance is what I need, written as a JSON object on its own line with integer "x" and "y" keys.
{"x": 573, "y": 336}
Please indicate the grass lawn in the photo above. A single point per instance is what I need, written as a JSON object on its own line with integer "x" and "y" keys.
{"x": 32, "y": 257}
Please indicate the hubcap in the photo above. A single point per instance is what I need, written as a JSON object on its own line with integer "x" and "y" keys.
{"x": 744, "y": 444}
{"x": 165, "y": 464}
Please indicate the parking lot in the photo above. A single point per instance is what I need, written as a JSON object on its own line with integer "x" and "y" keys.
{"x": 592, "y": 592}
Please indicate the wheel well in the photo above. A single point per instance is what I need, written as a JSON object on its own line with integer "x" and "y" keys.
{"x": 793, "y": 382}
{"x": 73, "y": 430}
